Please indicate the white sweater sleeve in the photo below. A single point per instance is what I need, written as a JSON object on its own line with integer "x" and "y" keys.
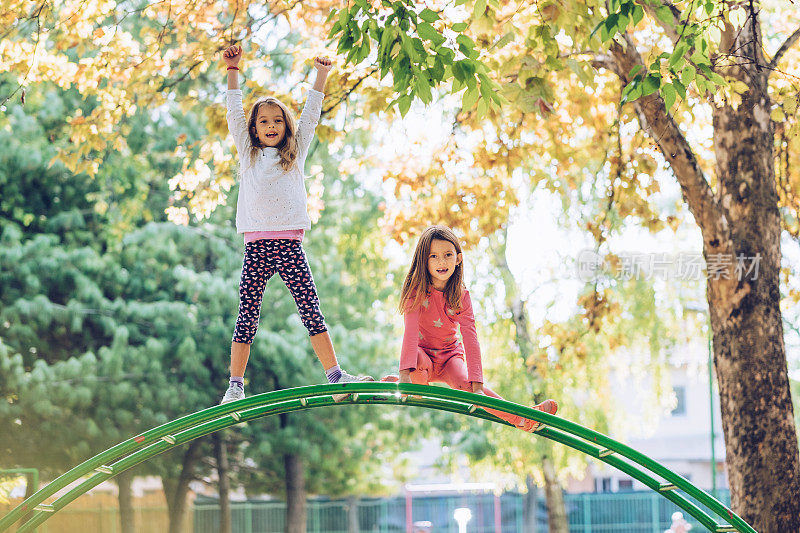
{"x": 237, "y": 123}
{"x": 309, "y": 119}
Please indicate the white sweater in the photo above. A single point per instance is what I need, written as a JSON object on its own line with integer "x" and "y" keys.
{"x": 269, "y": 197}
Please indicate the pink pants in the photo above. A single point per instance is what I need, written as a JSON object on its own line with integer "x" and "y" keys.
{"x": 453, "y": 372}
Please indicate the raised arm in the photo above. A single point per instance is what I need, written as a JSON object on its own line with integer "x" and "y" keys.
{"x": 232, "y": 55}
{"x": 312, "y": 110}
{"x": 237, "y": 122}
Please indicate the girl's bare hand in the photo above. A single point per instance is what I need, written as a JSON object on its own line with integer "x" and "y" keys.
{"x": 232, "y": 55}
{"x": 323, "y": 64}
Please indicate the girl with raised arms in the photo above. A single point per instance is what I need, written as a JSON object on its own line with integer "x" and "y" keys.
{"x": 271, "y": 212}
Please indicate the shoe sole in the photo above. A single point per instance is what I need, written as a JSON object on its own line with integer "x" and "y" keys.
{"x": 540, "y": 425}
{"x": 339, "y": 397}
{"x": 224, "y": 401}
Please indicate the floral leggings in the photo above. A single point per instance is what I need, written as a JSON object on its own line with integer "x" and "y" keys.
{"x": 262, "y": 259}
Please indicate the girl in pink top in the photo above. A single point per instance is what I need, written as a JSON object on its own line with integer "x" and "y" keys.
{"x": 434, "y": 302}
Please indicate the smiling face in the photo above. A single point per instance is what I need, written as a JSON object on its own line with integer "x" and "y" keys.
{"x": 442, "y": 262}
{"x": 270, "y": 125}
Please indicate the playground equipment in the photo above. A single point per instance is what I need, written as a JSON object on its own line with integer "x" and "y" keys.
{"x": 137, "y": 449}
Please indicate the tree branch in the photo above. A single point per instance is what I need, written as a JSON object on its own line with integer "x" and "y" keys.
{"x": 788, "y": 43}
{"x": 349, "y": 91}
{"x": 664, "y": 131}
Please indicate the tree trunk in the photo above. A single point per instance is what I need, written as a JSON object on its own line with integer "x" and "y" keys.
{"x": 740, "y": 224}
{"x": 531, "y": 507}
{"x": 224, "y": 483}
{"x": 352, "y": 515}
{"x": 176, "y": 491}
{"x": 295, "y": 494}
{"x": 749, "y": 353}
{"x": 125, "y": 498}
{"x": 556, "y": 512}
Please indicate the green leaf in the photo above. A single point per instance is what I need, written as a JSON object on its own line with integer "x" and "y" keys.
{"x": 713, "y": 76}
{"x": 677, "y": 55}
{"x": 611, "y": 23}
{"x": 638, "y": 14}
{"x": 483, "y": 107}
{"x": 470, "y": 98}
{"x": 634, "y": 71}
{"x": 429, "y": 33}
{"x": 628, "y": 90}
{"x": 437, "y": 71}
{"x": 422, "y": 88}
{"x": 403, "y": 104}
{"x": 504, "y": 40}
{"x": 650, "y": 84}
{"x": 363, "y": 51}
{"x": 605, "y": 35}
{"x": 429, "y": 15}
{"x": 408, "y": 47}
{"x": 464, "y": 40}
{"x": 664, "y": 14}
{"x": 479, "y": 9}
{"x": 458, "y": 27}
{"x": 458, "y": 72}
{"x": 679, "y": 88}
{"x": 335, "y": 29}
{"x": 668, "y": 94}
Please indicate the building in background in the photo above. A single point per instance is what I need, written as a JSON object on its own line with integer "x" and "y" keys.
{"x": 679, "y": 437}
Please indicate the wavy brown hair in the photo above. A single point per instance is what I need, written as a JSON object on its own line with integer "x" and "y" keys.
{"x": 418, "y": 283}
{"x": 287, "y": 149}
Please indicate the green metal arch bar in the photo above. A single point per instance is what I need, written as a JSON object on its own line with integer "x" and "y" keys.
{"x": 146, "y": 445}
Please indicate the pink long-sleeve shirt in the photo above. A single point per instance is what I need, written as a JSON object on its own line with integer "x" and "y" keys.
{"x": 432, "y": 327}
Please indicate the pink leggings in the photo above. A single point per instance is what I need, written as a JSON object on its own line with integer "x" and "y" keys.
{"x": 453, "y": 372}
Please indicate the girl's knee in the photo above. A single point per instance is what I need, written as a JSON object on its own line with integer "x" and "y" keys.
{"x": 314, "y": 326}
{"x": 420, "y": 376}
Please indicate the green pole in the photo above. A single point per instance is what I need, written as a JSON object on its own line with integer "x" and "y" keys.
{"x": 34, "y": 472}
{"x": 34, "y": 477}
{"x": 146, "y": 445}
{"x": 587, "y": 514}
{"x": 711, "y": 403}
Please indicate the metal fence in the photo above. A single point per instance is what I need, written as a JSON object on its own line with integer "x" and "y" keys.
{"x": 624, "y": 512}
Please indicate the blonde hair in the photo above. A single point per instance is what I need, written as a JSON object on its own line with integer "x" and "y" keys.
{"x": 418, "y": 283}
{"x": 287, "y": 149}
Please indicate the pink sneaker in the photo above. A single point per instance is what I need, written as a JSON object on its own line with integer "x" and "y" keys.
{"x": 548, "y": 406}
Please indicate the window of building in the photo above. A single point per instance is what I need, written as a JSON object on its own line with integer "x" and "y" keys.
{"x": 680, "y": 394}
{"x": 603, "y": 484}
{"x": 625, "y": 485}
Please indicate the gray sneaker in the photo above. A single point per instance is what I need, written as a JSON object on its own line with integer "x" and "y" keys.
{"x": 233, "y": 393}
{"x": 349, "y": 378}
